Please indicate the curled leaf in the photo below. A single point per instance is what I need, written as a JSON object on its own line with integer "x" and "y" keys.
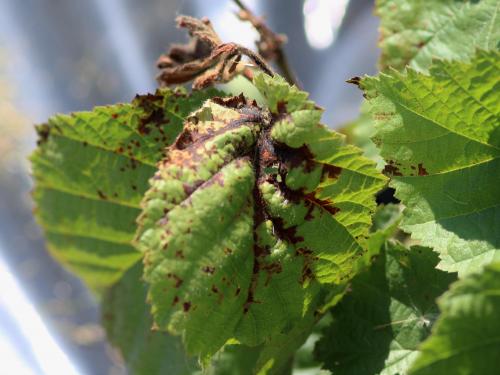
{"x": 205, "y": 60}
{"x": 250, "y": 212}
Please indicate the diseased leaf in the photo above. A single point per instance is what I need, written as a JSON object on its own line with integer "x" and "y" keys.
{"x": 91, "y": 170}
{"x": 378, "y": 326}
{"x": 466, "y": 337}
{"x": 440, "y": 134}
{"x": 249, "y": 213}
{"x": 281, "y": 352}
{"x": 127, "y": 321}
{"x": 414, "y": 32}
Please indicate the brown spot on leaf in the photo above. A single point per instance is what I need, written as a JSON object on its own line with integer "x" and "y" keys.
{"x": 421, "y": 170}
{"x": 391, "y": 169}
{"x": 309, "y": 216}
{"x": 154, "y": 114}
{"x": 43, "y": 131}
{"x": 231, "y": 102}
{"x": 271, "y": 269}
{"x": 186, "y": 306}
{"x": 331, "y": 171}
{"x": 177, "y": 280}
{"x": 183, "y": 140}
{"x": 101, "y": 195}
{"x": 307, "y": 273}
{"x": 326, "y": 205}
{"x": 208, "y": 269}
{"x": 295, "y": 157}
{"x": 281, "y": 106}
{"x": 354, "y": 80}
{"x": 288, "y": 233}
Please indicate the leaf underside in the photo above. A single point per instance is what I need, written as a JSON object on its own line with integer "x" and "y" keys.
{"x": 250, "y": 212}
{"x": 440, "y": 134}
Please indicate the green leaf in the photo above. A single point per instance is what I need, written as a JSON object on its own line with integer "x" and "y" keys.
{"x": 466, "y": 337}
{"x": 235, "y": 360}
{"x": 233, "y": 228}
{"x": 359, "y": 133}
{"x": 128, "y": 322}
{"x": 414, "y": 32}
{"x": 91, "y": 170}
{"x": 276, "y": 356}
{"x": 378, "y": 326}
{"x": 282, "y": 352}
{"x": 440, "y": 134}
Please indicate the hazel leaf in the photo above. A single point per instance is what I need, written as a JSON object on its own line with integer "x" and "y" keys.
{"x": 440, "y": 135}
{"x": 378, "y": 327}
{"x": 90, "y": 172}
{"x": 414, "y": 32}
{"x": 252, "y": 211}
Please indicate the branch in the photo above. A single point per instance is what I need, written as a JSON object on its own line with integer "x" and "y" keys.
{"x": 270, "y": 44}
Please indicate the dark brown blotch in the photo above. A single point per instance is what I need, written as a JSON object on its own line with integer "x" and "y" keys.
{"x": 177, "y": 280}
{"x": 421, "y": 170}
{"x": 391, "y": 169}
{"x": 43, "y": 131}
{"x": 208, "y": 269}
{"x": 101, "y": 195}
{"x": 354, "y": 80}
{"x": 331, "y": 171}
{"x": 286, "y": 233}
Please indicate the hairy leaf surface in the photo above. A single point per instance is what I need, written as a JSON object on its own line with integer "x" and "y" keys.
{"x": 414, "y": 32}
{"x": 378, "y": 326}
{"x": 249, "y": 213}
{"x": 466, "y": 337}
{"x": 440, "y": 134}
{"x": 91, "y": 170}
